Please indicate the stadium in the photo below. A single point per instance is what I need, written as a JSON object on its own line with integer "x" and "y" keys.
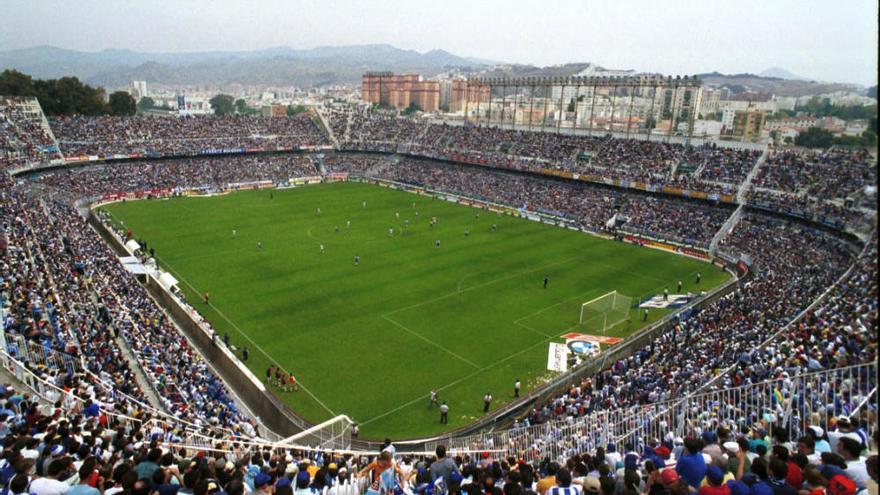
{"x": 305, "y": 291}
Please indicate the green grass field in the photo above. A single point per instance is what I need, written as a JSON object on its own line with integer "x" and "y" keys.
{"x": 372, "y": 340}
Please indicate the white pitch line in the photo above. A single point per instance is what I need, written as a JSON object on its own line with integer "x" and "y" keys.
{"x": 426, "y": 339}
{"x": 480, "y": 286}
{"x": 256, "y": 346}
{"x": 467, "y": 377}
{"x": 557, "y": 304}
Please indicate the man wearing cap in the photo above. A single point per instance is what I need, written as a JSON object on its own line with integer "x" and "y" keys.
{"x": 591, "y": 485}
{"x": 714, "y": 482}
{"x": 263, "y": 484}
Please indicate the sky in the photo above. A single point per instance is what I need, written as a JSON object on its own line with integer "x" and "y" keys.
{"x": 829, "y": 40}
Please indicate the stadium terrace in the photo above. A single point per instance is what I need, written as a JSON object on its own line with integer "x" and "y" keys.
{"x": 767, "y": 384}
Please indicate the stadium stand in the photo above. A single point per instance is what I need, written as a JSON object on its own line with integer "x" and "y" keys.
{"x": 25, "y": 136}
{"x": 769, "y": 389}
{"x": 84, "y": 136}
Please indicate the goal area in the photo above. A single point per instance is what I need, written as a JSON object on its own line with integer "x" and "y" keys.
{"x": 605, "y": 311}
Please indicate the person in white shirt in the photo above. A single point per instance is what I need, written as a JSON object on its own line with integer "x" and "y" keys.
{"x": 612, "y": 456}
{"x": 856, "y": 469}
{"x": 50, "y": 485}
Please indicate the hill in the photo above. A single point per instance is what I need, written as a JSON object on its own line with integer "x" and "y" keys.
{"x": 273, "y": 66}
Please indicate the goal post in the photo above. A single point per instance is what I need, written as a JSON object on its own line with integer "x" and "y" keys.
{"x": 333, "y": 434}
{"x": 605, "y": 311}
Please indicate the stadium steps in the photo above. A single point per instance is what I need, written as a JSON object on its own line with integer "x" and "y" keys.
{"x": 325, "y": 124}
{"x": 143, "y": 381}
{"x": 726, "y": 229}
{"x": 747, "y": 183}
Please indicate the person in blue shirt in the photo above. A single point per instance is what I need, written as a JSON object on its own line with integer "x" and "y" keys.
{"x": 692, "y": 466}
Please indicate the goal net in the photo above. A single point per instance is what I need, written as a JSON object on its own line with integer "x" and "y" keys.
{"x": 333, "y": 434}
{"x": 605, "y": 311}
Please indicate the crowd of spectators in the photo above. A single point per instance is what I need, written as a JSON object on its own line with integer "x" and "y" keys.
{"x": 812, "y": 208}
{"x": 24, "y": 139}
{"x": 827, "y": 175}
{"x": 374, "y": 129}
{"x": 214, "y": 173}
{"x": 589, "y": 205}
{"x": 64, "y": 291}
{"x": 651, "y": 162}
{"x": 836, "y": 187}
{"x": 175, "y": 136}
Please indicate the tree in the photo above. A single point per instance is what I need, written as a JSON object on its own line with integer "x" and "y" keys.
{"x": 122, "y": 103}
{"x": 295, "y": 110}
{"x": 872, "y": 91}
{"x": 241, "y": 107}
{"x": 412, "y": 108}
{"x": 650, "y": 123}
{"x": 222, "y": 104}
{"x": 65, "y": 96}
{"x": 146, "y": 103}
{"x": 15, "y": 83}
{"x": 815, "y": 137}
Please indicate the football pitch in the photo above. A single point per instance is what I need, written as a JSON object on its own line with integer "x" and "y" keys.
{"x": 371, "y": 339}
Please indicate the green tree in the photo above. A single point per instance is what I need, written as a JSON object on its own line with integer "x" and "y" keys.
{"x": 67, "y": 95}
{"x": 815, "y": 137}
{"x": 122, "y": 103}
{"x": 146, "y": 103}
{"x": 650, "y": 123}
{"x": 70, "y": 96}
{"x": 15, "y": 83}
{"x": 412, "y": 108}
{"x": 222, "y": 104}
{"x": 295, "y": 110}
{"x": 242, "y": 107}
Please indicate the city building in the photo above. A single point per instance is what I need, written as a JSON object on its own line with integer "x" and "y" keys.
{"x": 400, "y": 91}
{"x": 747, "y": 125}
{"x": 139, "y": 89}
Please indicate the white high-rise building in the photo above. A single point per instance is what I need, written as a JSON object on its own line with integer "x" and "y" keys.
{"x": 139, "y": 89}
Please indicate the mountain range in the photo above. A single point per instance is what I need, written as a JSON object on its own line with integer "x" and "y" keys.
{"x": 272, "y": 66}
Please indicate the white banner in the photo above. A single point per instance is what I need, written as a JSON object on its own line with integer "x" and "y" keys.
{"x": 557, "y": 357}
